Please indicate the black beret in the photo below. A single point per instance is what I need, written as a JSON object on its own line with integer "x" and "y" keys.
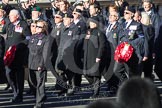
{"x": 93, "y": 19}
{"x": 78, "y": 11}
{"x": 59, "y": 13}
{"x": 68, "y": 15}
{"x": 131, "y": 9}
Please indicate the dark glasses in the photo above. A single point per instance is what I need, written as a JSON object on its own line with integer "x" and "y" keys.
{"x": 33, "y": 25}
{"x": 126, "y": 12}
{"x": 113, "y": 15}
{"x": 39, "y": 27}
{"x": 57, "y": 17}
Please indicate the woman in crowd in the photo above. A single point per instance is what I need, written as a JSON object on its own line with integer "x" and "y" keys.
{"x": 36, "y": 63}
{"x": 32, "y": 89}
{"x": 94, "y": 44}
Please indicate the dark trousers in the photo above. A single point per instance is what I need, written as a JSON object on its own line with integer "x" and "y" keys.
{"x": 95, "y": 82}
{"x": 158, "y": 66}
{"x": 129, "y": 69}
{"x": 38, "y": 80}
{"x": 148, "y": 67}
{"x": 71, "y": 80}
{"x": 16, "y": 80}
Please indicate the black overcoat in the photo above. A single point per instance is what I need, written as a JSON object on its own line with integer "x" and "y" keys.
{"x": 93, "y": 48}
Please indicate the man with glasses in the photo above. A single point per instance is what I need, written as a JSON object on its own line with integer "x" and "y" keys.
{"x": 112, "y": 34}
{"x": 133, "y": 34}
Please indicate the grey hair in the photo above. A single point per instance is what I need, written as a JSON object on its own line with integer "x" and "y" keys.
{"x": 146, "y": 17}
{"x": 16, "y": 12}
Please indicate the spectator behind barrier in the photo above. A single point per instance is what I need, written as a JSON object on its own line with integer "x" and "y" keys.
{"x": 138, "y": 93}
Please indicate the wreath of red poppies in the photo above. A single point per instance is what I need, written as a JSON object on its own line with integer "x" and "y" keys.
{"x": 10, "y": 55}
{"x": 123, "y": 52}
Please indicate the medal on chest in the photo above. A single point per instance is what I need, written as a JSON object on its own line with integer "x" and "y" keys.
{"x": 39, "y": 42}
{"x": 69, "y": 33}
{"x": 18, "y": 29}
{"x": 2, "y": 23}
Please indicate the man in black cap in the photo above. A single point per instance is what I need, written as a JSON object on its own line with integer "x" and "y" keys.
{"x": 133, "y": 34}
{"x": 54, "y": 39}
{"x": 69, "y": 34}
{"x": 38, "y": 14}
{"x": 78, "y": 20}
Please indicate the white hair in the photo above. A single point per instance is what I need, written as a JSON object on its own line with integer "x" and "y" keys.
{"x": 145, "y": 18}
{"x": 16, "y": 12}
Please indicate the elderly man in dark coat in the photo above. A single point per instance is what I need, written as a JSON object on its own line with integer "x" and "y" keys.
{"x": 17, "y": 31}
{"x": 69, "y": 34}
{"x": 133, "y": 34}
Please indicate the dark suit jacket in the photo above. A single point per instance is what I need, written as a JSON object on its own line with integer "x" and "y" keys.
{"x": 113, "y": 35}
{"x": 156, "y": 22}
{"x": 17, "y": 38}
{"x": 149, "y": 33}
{"x": 133, "y": 34}
{"x": 82, "y": 26}
{"x": 37, "y": 49}
{"x": 68, "y": 36}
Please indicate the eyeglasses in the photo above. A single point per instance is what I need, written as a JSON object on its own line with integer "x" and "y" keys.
{"x": 39, "y": 27}
{"x": 33, "y": 25}
{"x": 126, "y": 13}
{"x": 113, "y": 15}
{"x": 57, "y": 17}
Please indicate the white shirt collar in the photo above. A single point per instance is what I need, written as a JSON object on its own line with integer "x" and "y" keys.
{"x": 15, "y": 23}
{"x": 76, "y": 21}
{"x": 149, "y": 12}
{"x": 112, "y": 25}
{"x": 128, "y": 23}
{"x": 58, "y": 24}
{"x": 1, "y": 19}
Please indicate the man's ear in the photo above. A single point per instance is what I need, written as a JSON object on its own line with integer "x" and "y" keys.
{"x": 132, "y": 14}
{"x": 151, "y": 5}
{"x": 39, "y": 13}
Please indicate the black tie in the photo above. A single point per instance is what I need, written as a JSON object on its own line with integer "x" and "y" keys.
{"x": 109, "y": 27}
{"x": 125, "y": 24}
